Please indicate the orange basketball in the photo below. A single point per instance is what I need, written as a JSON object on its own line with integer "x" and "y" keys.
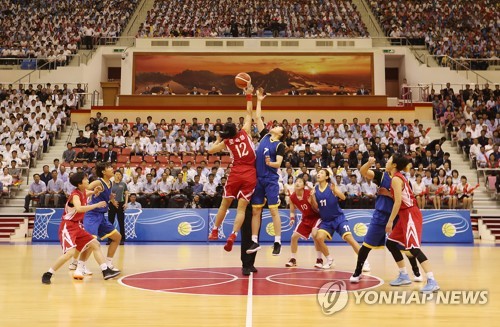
{"x": 242, "y": 80}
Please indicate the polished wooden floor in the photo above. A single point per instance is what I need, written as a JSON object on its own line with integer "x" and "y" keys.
{"x": 25, "y": 301}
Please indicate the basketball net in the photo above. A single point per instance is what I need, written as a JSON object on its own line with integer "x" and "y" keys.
{"x": 131, "y": 217}
{"x": 40, "y": 230}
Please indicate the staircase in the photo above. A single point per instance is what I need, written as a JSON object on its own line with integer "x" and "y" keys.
{"x": 371, "y": 23}
{"x": 15, "y": 227}
{"x": 489, "y": 228}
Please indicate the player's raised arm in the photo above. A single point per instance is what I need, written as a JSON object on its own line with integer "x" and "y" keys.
{"x": 217, "y": 147}
{"x": 365, "y": 170}
{"x": 337, "y": 192}
{"x": 258, "y": 110}
{"x": 247, "y": 126}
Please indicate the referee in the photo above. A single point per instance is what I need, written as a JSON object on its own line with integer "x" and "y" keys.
{"x": 247, "y": 260}
{"x": 118, "y": 203}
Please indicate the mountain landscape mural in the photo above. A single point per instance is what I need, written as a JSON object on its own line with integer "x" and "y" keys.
{"x": 276, "y": 74}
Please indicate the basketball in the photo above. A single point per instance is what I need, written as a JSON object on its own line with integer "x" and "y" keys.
{"x": 242, "y": 79}
{"x": 360, "y": 229}
{"x": 184, "y": 228}
{"x": 449, "y": 230}
{"x": 270, "y": 229}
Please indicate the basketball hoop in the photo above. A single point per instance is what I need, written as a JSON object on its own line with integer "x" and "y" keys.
{"x": 40, "y": 230}
{"x": 131, "y": 217}
{"x": 229, "y": 221}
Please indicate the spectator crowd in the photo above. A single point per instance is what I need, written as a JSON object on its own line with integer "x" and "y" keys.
{"x": 30, "y": 120}
{"x": 277, "y": 18}
{"x": 54, "y": 30}
{"x": 458, "y": 29}
{"x": 166, "y": 164}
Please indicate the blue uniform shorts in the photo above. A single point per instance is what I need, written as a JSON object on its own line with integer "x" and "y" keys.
{"x": 376, "y": 235}
{"x": 96, "y": 224}
{"x": 339, "y": 225}
{"x": 266, "y": 189}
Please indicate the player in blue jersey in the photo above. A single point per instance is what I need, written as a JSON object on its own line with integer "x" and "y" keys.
{"x": 269, "y": 156}
{"x": 376, "y": 236}
{"x": 95, "y": 222}
{"x": 325, "y": 199}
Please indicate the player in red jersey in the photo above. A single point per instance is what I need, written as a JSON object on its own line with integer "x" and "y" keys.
{"x": 241, "y": 182}
{"x": 73, "y": 238}
{"x": 408, "y": 230}
{"x": 308, "y": 224}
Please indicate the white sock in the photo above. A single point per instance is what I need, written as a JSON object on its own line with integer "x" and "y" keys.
{"x": 255, "y": 238}
{"x": 80, "y": 265}
{"x": 235, "y": 233}
{"x": 215, "y": 228}
{"x": 277, "y": 239}
{"x": 52, "y": 271}
{"x": 75, "y": 261}
{"x": 329, "y": 258}
{"x": 319, "y": 254}
{"x": 292, "y": 256}
{"x": 109, "y": 261}
{"x": 403, "y": 270}
{"x": 104, "y": 266}
{"x": 430, "y": 275}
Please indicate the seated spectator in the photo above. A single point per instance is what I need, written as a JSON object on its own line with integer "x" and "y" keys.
{"x": 150, "y": 193}
{"x": 110, "y": 155}
{"x": 214, "y": 91}
{"x": 133, "y": 203}
{"x": 81, "y": 140}
{"x": 353, "y": 192}
{"x": 368, "y": 193}
{"x": 37, "y": 190}
{"x": 69, "y": 154}
{"x": 55, "y": 191}
{"x": 465, "y": 193}
{"x": 362, "y": 90}
{"x": 6, "y": 180}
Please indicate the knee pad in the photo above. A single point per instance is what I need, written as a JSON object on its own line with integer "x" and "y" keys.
{"x": 393, "y": 248}
{"x": 418, "y": 254}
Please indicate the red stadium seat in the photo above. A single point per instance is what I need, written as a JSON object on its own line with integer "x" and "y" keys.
{"x": 187, "y": 158}
{"x": 149, "y": 159}
{"x": 226, "y": 160}
{"x": 122, "y": 159}
{"x": 199, "y": 158}
{"x": 136, "y": 159}
{"x": 126, "y": 151}
{"x": 176, "y": 160}
{"x": 212, "y": 159}
{"x": 162, "y": 159}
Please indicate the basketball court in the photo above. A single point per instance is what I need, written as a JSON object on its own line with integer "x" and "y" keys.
{"x": 202, "y": 285}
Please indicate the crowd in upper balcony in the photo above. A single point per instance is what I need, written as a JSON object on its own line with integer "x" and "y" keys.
{"x": 274, "y": 18}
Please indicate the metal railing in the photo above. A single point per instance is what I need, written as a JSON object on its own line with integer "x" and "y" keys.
{"x": 138, "y": 13}
{"x": 20, "y": 86}
{"x": 96, "y": 95}
{"x": 37, "y": 63}
{"x": 372, "y": 23}
{"x": 465, "y": 64}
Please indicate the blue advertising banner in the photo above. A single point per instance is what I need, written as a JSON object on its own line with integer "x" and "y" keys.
{"x": 193, "y": 225}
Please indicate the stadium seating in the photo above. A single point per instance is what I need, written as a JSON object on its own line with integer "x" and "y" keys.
{"x": 457, "y": 29}
{"x": 199, "y": 18}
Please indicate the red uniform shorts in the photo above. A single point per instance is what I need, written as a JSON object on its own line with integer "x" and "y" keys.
{"x": 72, "y": 235}
{"x": 241, "y": 183}
{"x": 306, "y": 225}
{"x": 408, "y": 229}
